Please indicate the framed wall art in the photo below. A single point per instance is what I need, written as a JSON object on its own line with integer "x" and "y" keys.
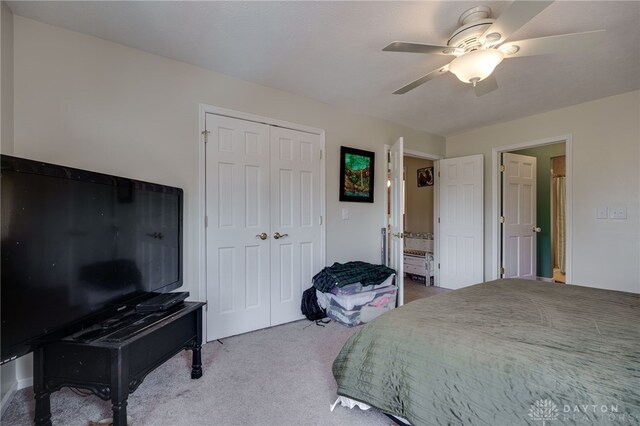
{"x": 356, "y": 175}
{"x": 425, "y": 176}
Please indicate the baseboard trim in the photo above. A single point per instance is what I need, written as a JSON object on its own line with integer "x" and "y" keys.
{"x": 25, "y": 383}
{"x": 6, "y": 399}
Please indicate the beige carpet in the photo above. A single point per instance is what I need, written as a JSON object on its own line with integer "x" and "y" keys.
{"x": 277, "y": 376}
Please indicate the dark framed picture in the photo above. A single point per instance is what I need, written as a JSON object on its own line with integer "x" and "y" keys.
{"x": 356, "y": 175}
{"x": 425, "y": 176}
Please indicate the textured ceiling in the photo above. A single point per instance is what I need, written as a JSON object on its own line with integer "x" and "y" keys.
{"x": 332, "y": 52}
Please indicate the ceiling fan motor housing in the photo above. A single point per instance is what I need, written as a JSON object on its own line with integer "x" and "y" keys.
{"x": 474, "y": 22}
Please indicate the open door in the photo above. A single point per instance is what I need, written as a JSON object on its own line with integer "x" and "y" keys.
{"x": 519, "y": 227}
{"x": 461, "y": 213}
{"x": 396, "y": 243}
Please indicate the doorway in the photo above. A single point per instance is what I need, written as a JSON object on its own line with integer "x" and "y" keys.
{"x": 418, "y": 203}
{"x": 418, "y": 220}
{"x": 459, "y": 229}
{"x": 541, "y": 247}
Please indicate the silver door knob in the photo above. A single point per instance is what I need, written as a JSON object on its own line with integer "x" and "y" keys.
{"x": 277, "y": 235}
{"x": 398, "y": 235}
{"x": 537, "y": 229}
{"x": 263, "y": 236}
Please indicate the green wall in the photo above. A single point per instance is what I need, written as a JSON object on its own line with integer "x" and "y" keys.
{"x": 543, "y": 154}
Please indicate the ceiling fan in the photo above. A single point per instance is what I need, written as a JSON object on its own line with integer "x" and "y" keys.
{"x": 479, "y": 45}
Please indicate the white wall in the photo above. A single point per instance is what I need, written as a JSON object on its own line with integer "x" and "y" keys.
{"x": 6, "y": 79}
{"x": 98, "y": 105}
{"x": 93, "y": 104}
{"x": 7, "y": 371}
{"x": 606, "y": 172}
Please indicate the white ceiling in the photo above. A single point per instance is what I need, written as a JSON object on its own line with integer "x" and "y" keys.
{"x": 332, "y": 52}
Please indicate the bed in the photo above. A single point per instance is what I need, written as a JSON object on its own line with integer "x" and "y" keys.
{"x": 504, "y": 352}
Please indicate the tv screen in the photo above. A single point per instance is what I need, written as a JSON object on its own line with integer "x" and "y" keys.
{"x": 78, "y": 245}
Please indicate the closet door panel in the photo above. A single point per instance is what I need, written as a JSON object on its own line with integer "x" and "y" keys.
{"x": 237, "y": 208}
{"x": 295, "y": 214}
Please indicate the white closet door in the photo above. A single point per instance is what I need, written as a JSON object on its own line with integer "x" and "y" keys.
{"x": 461, "y": 221}
{"x": 519, "y": 211}
{"x": 295, "y": 215}
{"x": 237, "y": 205}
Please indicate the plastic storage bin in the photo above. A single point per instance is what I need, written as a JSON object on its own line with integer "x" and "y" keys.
{"x": 382, "y": 300}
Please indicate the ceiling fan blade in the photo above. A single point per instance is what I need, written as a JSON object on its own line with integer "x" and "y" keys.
{"x": 552, "y": 44}
{"x": 402, "y": 46}
{"x": 516, "y": 15}
{"x": 433, "y": 74}
{"x": 487, "y": 85}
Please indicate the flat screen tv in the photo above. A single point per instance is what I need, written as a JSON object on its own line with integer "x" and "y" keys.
{"x": 79, "y": 246}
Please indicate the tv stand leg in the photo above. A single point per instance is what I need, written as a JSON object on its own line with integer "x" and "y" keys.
{"x": 119, "y": 412}
{"x": 196, "y": 364}
{"x": 119, "y": 386}
{"x": 42, "y": 397}
{"x": 43, "y": 409}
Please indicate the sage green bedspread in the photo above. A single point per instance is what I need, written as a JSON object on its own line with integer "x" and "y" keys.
{"x": 485, "y": 354}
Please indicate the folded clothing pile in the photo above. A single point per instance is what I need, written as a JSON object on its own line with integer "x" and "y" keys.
{"x": 343, "y": 274}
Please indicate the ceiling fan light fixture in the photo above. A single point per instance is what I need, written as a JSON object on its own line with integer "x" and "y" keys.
{"x": 477, "y": 65}
{"x": 491, "y": 39}
{"x": 509, "y": 49}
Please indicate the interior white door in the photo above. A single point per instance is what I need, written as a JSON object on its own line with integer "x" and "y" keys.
{"x": 396, "y": 242}
{"x": 237, "y": 205}
{"x": 295, "y": 219}
{"x": 519, "y": 229}
{"x": 461, "y": 221}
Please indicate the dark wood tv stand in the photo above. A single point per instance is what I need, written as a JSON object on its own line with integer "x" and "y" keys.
{"x": 113, "y": 369}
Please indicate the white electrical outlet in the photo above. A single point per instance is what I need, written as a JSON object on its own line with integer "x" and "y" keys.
{"x": 602, "y": 213}
{"x": 345, "y": 214}
{"x": 618, "y": 213}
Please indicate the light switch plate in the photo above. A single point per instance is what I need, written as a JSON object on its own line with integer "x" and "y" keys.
{"x": 602, "y": 213}
{"x": 345, "y": 214}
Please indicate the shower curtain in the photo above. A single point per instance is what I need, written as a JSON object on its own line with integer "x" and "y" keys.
{"x": 561, "y": 221}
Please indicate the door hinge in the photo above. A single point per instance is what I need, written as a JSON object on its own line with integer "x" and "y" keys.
{"x": 206, "y": 135}
{"x": 438, "y": 266}
{"x": 502, "y": 219}
{"x": 206, "y": 305}
{"x": 438, "y": 174}
{"x": 438, "y": 220}
{"x": 321, "y": 154}
{"x": 206, "y": 221}
{"x": 502, "y": 168}
{"x": 320, "y": 220}
{"x": 501, "y": 271}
